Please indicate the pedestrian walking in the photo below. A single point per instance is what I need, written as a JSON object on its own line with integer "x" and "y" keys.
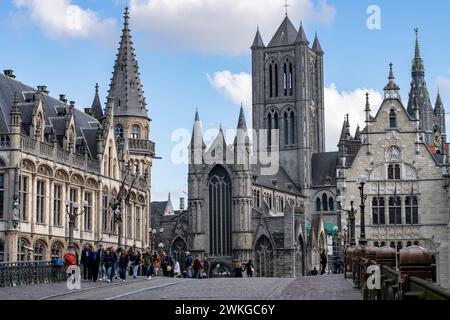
{"x": 135, "y": 259}
{"x": 188, "y": 263}
{"x": 108, "y": 260}
{"x": 238, "y": 270}
{"x": 102, "y": 269}
{"x": 87, "y": 270}
{"x": 156, "y": 263}
{"x": 323, "y": 262}
{"x": 176, "y": 269}
{"x": 206, "y": 266}
{"x": 249, "y": 268}
{"x": 197, "y": 268}
{"x": 148, "y": 263}
{"x": 70, "y": 258}
{"x": 94, "y": 264}
{"x": 123, "y": 265}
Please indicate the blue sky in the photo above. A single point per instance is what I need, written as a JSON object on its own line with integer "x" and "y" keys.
{"x": 180, "y": 42}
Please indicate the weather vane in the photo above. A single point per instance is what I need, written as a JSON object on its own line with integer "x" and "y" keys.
{"x": 286, "y": 6}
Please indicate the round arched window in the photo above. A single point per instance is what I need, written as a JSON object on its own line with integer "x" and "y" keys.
{"x": 39, "y": 248}
{"x": 135, "y": 132}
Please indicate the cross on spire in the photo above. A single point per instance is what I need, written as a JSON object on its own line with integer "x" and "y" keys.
{"x": 286, "y": 6}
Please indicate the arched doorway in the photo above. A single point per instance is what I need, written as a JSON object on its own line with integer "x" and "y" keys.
{"x": 178, "y": 252}
{"x": 300, "y": 267}
{"x": 264, "y": 257}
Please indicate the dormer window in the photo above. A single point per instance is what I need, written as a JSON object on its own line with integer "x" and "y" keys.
{"x": 392, "y": 119}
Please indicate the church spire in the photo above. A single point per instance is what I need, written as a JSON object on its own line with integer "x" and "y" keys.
{"x": 197, "y": 137}
{"x": 242, "y": 134}
{"x": 391, "y": 90}
{"x": 126, "y": 85}
{"x": 96, "y": 107}
{"x": 258, "y": 42}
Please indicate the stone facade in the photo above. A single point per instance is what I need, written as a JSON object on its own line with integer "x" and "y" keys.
{"x": 51, "y": 153}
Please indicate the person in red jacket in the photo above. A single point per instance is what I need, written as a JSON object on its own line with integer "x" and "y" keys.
{"x": 70, "y": 258}
{"x": 197, "y": 268}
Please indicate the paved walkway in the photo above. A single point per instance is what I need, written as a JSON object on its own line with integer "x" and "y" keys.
{"x": 328, "y": 287}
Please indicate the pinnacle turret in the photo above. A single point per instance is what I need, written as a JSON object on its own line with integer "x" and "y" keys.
{"x": 301, "y": 36}
{"x": 258, "y": 42}
{"x": 126, "y": 85}
{"x": 316, "y": 45}
{"x": 96, "y": 107}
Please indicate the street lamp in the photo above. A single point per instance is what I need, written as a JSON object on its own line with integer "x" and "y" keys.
{"x": 352, "y": 221}
{"x": 71, "y": 209}
{"x": 361, "y": 181}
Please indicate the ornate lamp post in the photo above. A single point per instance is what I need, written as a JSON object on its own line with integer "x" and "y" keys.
{"x": 352, "y": 221}
{"x": 71, "y": 209}
{"x": 361, "y": 181}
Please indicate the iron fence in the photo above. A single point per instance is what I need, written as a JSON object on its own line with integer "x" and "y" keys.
{"x": 30, "y": 272}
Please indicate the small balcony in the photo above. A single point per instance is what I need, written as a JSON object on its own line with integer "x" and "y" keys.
{"x": 145, "y": 147}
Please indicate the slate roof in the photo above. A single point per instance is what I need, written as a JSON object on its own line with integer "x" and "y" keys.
{"x": 53, "y": 123}
{"x": 324, "y": 168}
{"x": 285, "y": 35}
{"x": 282, "y": 181}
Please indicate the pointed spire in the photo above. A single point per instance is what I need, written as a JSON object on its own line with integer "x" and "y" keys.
{"x": 439, "y": 106}
{"x": 316, "y": 46}
{"x": 96, "y": 107}
{"x": 367, "y": 102}
{"x": 358, "y": 133}
{"x": 242, "y": 132}
{"x": 391, "y": 90}
{"x": 258, "y": 42}
{"x": 126, "y": 85}
{"x": 301, "y": 36}
{"x": 417, "y": 51}
{"x": 345, "y": 132}
{"x": 197, "y": 137}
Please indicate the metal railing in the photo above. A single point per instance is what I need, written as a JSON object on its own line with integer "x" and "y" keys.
{"x": 30, "y": 272}
{"x": 145, "y": 146}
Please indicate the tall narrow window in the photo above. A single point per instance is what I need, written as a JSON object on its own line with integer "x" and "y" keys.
{"x": 40, "y": 202}
{"x": 2, "y": 194}
{"x": 285, "y": 80}
{"x": 23, "y": 198}
{"x": 324, "y": 202}
{"x": 331, "y": 204}
{"x": 129, "y": 222}
{"x": 276, "y": 80}
{"x": 110, "y": 162}
{"x": 293, "y": 129}
{"x": 39, "y": 250}
{"x": 412, "y": 210}
{"x": 318, "y": 205}
{"x": 286, "y": 129}
{"x": 271, "y": 81}
{"x": 138, "y": 224}
{"x": 269, "y": 130}
{"x": 107, "y": 228}
{"x": 220, "y": 212}
{"x": 393, "y": 119}
{"x": 73, "y": 197}
{"x": 394, "y": 172}
{"x": 395, "y": 210}
{"x": 378, "y": 211}
{"x": 88, "y": 211}
{"x": 135, "y": 132}
{"x": 57, "y": 204}
{"x": 2, "y": 251}
{"x": 119, "y": 131}
{"x": 291, "y": 80}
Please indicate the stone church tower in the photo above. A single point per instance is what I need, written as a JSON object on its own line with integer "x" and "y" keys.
{"x": 131, "y": 120}
{"x": 288, "y": 94}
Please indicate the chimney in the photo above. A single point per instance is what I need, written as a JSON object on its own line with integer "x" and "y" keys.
{"x": 43, "y": 89}
{"x": 9, "y": 74}
{"x": 62, "y": 98}
{"x": 182, "y": 207}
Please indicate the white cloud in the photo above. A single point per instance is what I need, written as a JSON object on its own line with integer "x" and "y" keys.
{"x": 60, "y": 19}
{"x": 238, "y": 87}
{"x": 339, "y": 103}
{"x": 221, "y": 26}
{"x": 444, "y": 84}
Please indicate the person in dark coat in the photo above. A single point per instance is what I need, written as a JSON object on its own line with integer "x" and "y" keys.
{"x": 323, "y": 262}
{"x": 108, "y": 260}
{"x": 197, "y": 268}
{"x": 238, "y": 270}
{"x": 94, "y": 264}
{"x": 249, "y": 268}
{"x": 87, "y": 270}
{"x": 123, "y": 265}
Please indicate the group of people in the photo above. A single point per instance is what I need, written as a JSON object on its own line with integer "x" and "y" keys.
{"x": 338, "y": 265}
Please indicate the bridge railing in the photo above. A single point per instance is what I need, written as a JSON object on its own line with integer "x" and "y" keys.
{"x": 31, "y": 272}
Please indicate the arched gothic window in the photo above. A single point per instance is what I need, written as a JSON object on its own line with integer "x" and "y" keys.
{"x": 21, "y": 250}
{"x": 286, "y": 129}
{"x": 57, "y": 251}
{"x": 291, "y": 79}
{"x": 331, "y": 204}
{"x": 269, "y": 130}
{"x": 264, "y": 257}
{"x": 135, "y": 132}
{"x": 392, "y": 119}
{"x": 2, "y": 251}
{"x": 285, "y": 79}
{"x": 325, "y": 202}
{"x": 318, "y": 205}
{"x": 271, "y": 80}
{"x": 178, "y": 251}
{"x": 276, "y": 80}
{"x": 220, "y": 212}
{"x": 39, "y": 251}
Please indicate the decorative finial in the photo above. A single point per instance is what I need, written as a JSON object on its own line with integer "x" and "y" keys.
{"x": 391, "y": 73}
{"x": 417, "y": 53}
{"x": 286, "y": 6}
{"x": 96, "y": 87}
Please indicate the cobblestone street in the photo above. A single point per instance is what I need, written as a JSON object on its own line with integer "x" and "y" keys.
{"x": 329, "y": 287}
